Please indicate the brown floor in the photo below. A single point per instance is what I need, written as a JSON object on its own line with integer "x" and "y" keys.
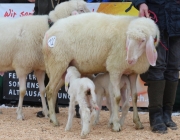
{"x": 33, "y": 128}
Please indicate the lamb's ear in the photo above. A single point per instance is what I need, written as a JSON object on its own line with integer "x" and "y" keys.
{"x": 151, "y": 52}
{"x": 67, "y": 79}
{"x": 74, "y": 13}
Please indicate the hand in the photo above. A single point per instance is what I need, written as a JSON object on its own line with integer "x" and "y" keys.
{"x": 31, "y": 1}
{"x": 143, "y": 10}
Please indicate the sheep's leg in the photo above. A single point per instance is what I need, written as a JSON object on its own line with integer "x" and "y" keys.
{"x": 40, "y": 78}
{"x": 114, "y": 79}
{"x": 85, "y": 117}
{"x": 22, "y": 86}
{"x": 70, "y": 113}
{"x": 125, "y": 108}
{"x": 108, "y": 104}
{"x": 85, "y": 122}
{"x": 52, "y": 91}
{"x": 99, "y": 103}
{"x": 136, "y": 119}
{"x": 93, "y": 116}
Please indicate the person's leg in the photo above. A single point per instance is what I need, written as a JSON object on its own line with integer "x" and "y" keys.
{"x": 156, "y": 86}
{"x": 171, "y": 76}
{"x": 77, "y": 111}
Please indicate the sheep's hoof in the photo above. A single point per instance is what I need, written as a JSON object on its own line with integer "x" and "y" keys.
{"x": 83, "y": 136}
{"x": 67, "y": 129}
{"x": 116, "y": 127}
{"x": 20, "y": 117}
{"x": 54, "y": 123}
{"x": 96, "y": 122}
{"x": 139, "y": 125}
{"x": 110, "y": 124}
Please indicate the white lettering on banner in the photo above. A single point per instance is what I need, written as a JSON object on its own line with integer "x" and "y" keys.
{"x": 28, "y": 93}
{"x": 12, "y": 75}
{"x": 32, "y": 85}
{"x": 32, "y": 93}
{"x": 13, "y": 92}
{"x": 141, "y": 98}
{"x": 51, "y": 41}
{"x": 63, "y": 96}
{"x": 13, "y": 84}
{"x": 31, "y": 77}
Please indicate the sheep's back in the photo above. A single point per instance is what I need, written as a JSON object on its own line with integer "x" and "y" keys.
{"x": 21, "y": 40}
{"x": 88, "y": 40}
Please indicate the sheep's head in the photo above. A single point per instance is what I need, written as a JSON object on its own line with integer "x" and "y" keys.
{"x": 79, "y": 6}
{"x": 68, "y": 8}
{"x": 142, "y": 35}
{"x": 72, "y": 72}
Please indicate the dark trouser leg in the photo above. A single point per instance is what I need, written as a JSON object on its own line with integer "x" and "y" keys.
{"x": 156, "y": 86}
{"x": 168, "y": 102}
{"x": 171, "y": 76}
{"x": 155, "y": 94}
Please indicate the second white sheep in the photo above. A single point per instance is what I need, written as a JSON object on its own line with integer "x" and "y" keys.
{"x": 104, "y": 89}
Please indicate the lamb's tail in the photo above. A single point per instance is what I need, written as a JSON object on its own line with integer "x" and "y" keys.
{"x": 93, "y": 95}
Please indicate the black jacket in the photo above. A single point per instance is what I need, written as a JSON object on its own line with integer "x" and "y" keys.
{"x": 167, "y": 12}
{"x": 14, "y": 1}
{"x": 43, "y": 7}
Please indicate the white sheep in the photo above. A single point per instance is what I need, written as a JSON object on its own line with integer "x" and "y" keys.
{"x": 82, "y": 91}
{"x": 103, "y": 88}
{"x": 21, "y": 46}
{"x": 97, "y": 43}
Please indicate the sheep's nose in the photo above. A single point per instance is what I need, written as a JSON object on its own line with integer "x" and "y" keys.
{"x": 130, "y": 61}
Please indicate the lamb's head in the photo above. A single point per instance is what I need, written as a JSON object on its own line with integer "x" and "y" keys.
{"x": 71, "y": 74}
{"x": 68, "y": 8}
{"x": 142, "y": 36}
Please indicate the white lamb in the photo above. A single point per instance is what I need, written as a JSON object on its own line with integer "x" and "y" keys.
{"x": 21, "y": 46}
{"x": 103, "y": 88}
{"x": 97, "y": 43}
{"x": 82, "y": 91}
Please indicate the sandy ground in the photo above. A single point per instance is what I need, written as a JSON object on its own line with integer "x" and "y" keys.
{"x": 34, "y": 128}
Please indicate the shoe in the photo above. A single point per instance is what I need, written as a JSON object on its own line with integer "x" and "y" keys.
{"x": 168, "y": 102}
{"x": 40, "y": 114}
{"x": 156, "y": 121}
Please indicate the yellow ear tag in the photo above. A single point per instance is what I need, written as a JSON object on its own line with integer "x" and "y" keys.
{"x": 66, "y": 84}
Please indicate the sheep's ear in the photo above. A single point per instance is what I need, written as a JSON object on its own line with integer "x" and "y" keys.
{"x": 74, "y": 13}
{"x": 67, "y": 79}
{"x": 151, "y": 52}
{"x": 127, "y": 43}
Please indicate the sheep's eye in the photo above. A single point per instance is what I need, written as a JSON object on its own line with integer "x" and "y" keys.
{"x": 142, "y": 41}
{"x": 82, "y": 11}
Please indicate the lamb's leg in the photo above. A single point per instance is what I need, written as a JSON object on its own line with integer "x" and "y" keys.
{"x": 136, "y": 119}
{"x": 85, "y": 117}
{"x": 22, "y": 87}
{"x": 125, "y": 108}
{"x": 86, "y": 122}
{"x": 40, "y": 78}
{"x": 116, "y": 97}
{"x": 70, "y": 113}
